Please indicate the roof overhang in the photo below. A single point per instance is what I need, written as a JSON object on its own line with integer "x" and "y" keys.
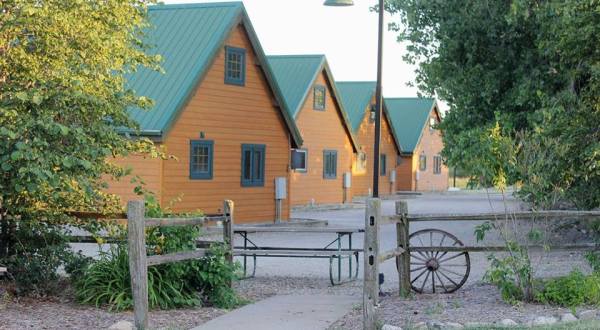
{"x": 338, "y": 101}
{"x": 242, "y": 18}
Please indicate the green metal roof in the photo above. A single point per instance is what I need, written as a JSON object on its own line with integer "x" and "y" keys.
{"x": 408, "y": 116}
{"x": 356, "y": 97}
{"x": 188, "y": 37}
{"x": 295, "y": 75}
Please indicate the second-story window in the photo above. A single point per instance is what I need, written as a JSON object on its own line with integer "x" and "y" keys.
{"x": 319, "y": 97}
{"x": 437, "y": 164}
{"x": 422, "y": 163}
{"x": 382, "y": 165}
{"x": 235, "y": 66}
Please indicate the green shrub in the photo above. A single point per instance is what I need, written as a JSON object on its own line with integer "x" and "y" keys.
{"x": 183, "y": 284}
{"x": 188, "y": 283}
{"x": 39, "y": 251}
{"x": 512, "y": 274}
{"x": 573, "y": 290}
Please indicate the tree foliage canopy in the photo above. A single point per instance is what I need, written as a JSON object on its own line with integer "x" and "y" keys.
{"x": 530, "y": 68}
{"x": 63, "y": 99}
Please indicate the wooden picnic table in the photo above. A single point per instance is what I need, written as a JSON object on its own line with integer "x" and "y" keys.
{"x": 337, "y": 253}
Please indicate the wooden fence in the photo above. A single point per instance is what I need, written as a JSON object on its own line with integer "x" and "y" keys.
{"x": 372, "y": 256}
{"x": 402, "y": 220}
{"x": 139, "y": 261}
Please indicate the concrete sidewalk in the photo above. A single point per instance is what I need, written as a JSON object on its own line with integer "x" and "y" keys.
{"x": 289, "y": 312}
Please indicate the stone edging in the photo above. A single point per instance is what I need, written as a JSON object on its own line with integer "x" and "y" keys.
{"x": 536, "y": 321}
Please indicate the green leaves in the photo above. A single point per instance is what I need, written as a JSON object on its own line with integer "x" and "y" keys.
{"x": 481, "y": 230}
{"x": 530, "y": 68}
{"x": 62, "y": 78}
{"x": 22, "y": 96}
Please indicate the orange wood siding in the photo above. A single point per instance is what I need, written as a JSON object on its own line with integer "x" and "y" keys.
{"x": 230, "y": 116}
{"x": 430, "y": 145}
{"x": 147, "y": 168}
{"x": 405, "y": 180}
{"x": 322, "y": 130}
{"x": 362, "y": 182}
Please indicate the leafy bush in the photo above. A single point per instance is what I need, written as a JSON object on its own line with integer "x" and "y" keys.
{"x": 512, "y": 276}
{"x": 40, "y": 249}
{"x": 572, "y": 290}
{"x": 181, "y": 284}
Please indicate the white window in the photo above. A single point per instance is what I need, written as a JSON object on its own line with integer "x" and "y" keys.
{"x": 299, "y": 160}
{"x": 361, "y": 162}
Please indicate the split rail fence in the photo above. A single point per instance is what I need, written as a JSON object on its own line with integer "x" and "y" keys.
{"x": 434, "y": 253}
{"x": 139, "y": 260}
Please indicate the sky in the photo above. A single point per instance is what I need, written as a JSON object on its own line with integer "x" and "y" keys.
{"x": 346, "y": 35}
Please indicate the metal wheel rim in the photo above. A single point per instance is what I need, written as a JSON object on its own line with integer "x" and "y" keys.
{"x": 417, "y": 260}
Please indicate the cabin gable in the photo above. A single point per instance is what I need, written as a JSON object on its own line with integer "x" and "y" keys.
{"x": 362, "y": 184}
{"x": 229, "y": 115}
{"x": 323, "y": 130}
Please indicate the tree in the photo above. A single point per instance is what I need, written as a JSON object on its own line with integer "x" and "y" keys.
{"x": 529, "y": 67}
{"x": 63, "y": 105}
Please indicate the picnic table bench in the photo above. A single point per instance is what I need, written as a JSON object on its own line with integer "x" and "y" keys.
{"x": 334, "y": 250}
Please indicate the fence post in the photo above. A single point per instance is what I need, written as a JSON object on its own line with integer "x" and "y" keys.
{"x": 228, "y": 210}
{"x": 402, "y": 237}
{"x": 371, "y": 263}
{"x": 138, "y": 270}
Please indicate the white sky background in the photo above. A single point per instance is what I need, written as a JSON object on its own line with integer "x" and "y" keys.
{"x": 346, "y": 35}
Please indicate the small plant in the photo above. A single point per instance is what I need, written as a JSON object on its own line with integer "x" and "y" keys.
{"x": 573, "y": 290}
{"x": 188, "y": 283}
{"x": 434, "y": 309}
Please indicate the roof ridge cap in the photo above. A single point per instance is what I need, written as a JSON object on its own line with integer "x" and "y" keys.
{"x": 179, "y": 6}
{"x": 298, "y": 55}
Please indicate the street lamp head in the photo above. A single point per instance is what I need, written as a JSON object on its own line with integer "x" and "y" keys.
{"x": 338, "y": 3}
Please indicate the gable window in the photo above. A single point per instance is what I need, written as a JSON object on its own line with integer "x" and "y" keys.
{"x": 253, "y": 165}
{"x": 437, "y": 164}
{"x": 422, "y": 163}
{"x": 361, "y": 162}
{"x": 299, "y": 160}
{"x": 329, "y": 164}
{"x": 235, "y": 66}
{"x": 382, "y": 165}
{"x": 201, "y": 159}
{"x": 432, "y": 123}
{"x": 319, "y": 97}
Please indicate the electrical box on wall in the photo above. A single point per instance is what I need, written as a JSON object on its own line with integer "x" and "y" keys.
{"x": 280, "y": 188}
{"x": 393, "y": 176}
{"x": 347, "y": 179}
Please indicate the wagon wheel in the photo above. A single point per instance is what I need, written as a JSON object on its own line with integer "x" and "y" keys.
{"x": 435, "y": 270}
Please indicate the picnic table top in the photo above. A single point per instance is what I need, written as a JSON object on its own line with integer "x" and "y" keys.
{"x": 287, "y": 229}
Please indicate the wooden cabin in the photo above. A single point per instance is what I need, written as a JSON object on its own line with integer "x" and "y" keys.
{"x": 420, "y": 167}
{"x": 358, "y": 98}
{"x": 325, "y": 158}
{"x": 216, "y": 111}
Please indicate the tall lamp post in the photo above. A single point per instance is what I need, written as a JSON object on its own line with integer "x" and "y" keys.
{"x": 378, "y": 98}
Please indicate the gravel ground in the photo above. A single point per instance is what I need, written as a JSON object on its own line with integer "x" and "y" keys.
{"x": 476, "y": 302}
{"x": 62, "y": 312}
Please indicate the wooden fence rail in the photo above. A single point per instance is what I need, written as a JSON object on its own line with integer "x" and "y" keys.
{"x": 402, "y": 220}
{"x": 139, "y": 260}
